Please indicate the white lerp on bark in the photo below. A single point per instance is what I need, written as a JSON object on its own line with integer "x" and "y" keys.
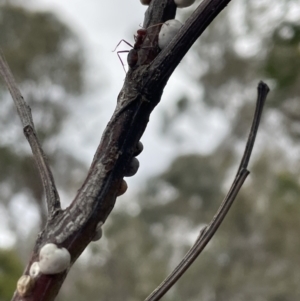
{"x": 167, "y": 32}
{"x": 183, "y": 3}
{"x": 53, "y": 260}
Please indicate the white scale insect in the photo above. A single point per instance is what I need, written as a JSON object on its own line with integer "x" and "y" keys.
{"x": 167, "y": 32}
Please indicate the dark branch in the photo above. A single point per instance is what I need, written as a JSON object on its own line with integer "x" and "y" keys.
{"x": 24, "y": 112}
{"x": 74, "y": 227}
{"x": 168, "y": 59}
{"x": 208, "y": 232}
{"x": 262, "y": 92}
{"x": 204, "y": 237}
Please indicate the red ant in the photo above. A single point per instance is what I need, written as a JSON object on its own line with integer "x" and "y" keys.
{"x": 139, "y": 39}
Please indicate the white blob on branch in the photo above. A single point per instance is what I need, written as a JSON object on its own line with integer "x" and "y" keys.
{"x": 34, "y": 270}
{"x": 53, "y": 260}
{"x": 184, "y": 3}
{"x": 25, "y": 285}
{"x": 167, "y": 32}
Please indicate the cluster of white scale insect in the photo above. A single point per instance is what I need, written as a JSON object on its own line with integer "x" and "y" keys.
{"x": 52, "y": 260}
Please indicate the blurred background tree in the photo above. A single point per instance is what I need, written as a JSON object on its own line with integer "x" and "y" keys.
{"x": 254, "y": 256}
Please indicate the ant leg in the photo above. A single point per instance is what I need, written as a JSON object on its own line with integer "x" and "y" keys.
{"x": 118, "y": 53}
{"x": 120, "y": 43}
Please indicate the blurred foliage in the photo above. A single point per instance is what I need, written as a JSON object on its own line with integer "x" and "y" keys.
{"x": 189, "y": 192}
{"x": 45, "y": 57}
{"x": 283, "y": 59}
{"x": 19, "y": 167}
{"x": 10, "y": 270}
{"x": 40, "y": 48}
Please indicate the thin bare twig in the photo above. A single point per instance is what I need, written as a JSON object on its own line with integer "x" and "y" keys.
{"x": 204, "y": 237}
{"x": 24, "y": 111}
{"x": 208, "y": 232}
{"x": 262, "y": 92}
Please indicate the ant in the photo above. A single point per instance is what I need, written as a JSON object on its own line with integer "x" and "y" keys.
{"x": 139, "y": 38}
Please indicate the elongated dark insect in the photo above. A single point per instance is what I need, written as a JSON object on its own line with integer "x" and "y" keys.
{"x": 139, "y": 38}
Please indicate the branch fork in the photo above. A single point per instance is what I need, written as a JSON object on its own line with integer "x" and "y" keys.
{"x": 76, "y": 226}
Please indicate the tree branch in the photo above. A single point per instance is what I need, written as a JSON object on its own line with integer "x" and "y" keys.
{"x": 208, "y": 232}
{"x": 75, "y": 227}
{"x": 24, "y": 111}
{"x": 168, "y": 59}
{"x": 262, "y": 92}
